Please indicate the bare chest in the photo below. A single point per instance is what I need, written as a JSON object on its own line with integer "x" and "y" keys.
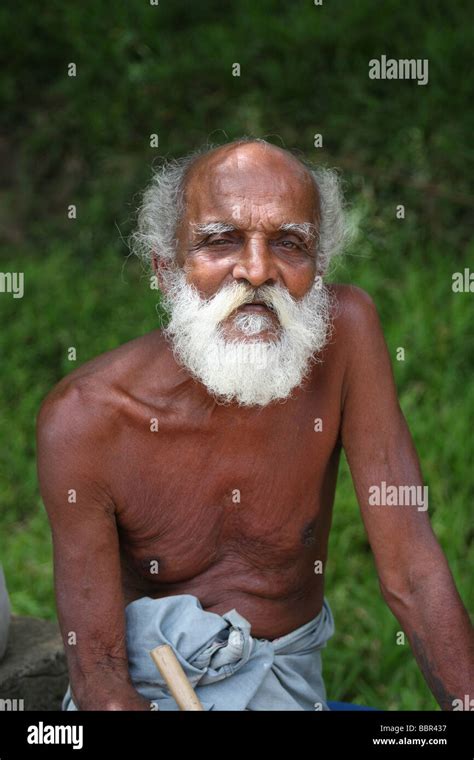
{"x": 250, "y": 490}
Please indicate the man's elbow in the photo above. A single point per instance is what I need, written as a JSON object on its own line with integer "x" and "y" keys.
{"x": 398, "y": 596}
{"x": 400, "y": 588}
{"x": 421, "y": 577}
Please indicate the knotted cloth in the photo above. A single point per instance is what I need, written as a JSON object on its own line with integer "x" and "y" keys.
{"x": 228, "y": 668}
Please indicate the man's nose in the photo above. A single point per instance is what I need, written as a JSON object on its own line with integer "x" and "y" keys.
{"x": 256, "y": 264}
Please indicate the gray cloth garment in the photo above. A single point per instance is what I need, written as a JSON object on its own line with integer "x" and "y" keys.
{"x": 5, "y": 614}
{"x": 228, "y": 668}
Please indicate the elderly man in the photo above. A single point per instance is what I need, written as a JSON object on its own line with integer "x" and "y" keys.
{"x": 189, "y": 475}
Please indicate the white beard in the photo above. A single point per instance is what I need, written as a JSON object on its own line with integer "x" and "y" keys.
{"x": 248, "y": 371}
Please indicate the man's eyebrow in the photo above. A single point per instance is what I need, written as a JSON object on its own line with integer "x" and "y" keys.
{"x": 306, "y": 230}
{"x": 212, "y": 228}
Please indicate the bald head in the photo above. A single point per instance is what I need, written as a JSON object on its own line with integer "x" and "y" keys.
{"x": 241, "y": 168}
{"x": 243, "y": 154}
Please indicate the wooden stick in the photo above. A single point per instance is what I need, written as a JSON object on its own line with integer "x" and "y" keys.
{"x": 175, "y": 677}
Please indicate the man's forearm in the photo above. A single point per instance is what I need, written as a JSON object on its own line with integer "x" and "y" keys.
{"x": 441, "y": 636}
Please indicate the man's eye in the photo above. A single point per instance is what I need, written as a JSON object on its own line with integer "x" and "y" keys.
{"x": 218, "y": 241}
{"x": 288, "y": 244}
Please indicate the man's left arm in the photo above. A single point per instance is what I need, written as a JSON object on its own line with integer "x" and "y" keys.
{"x": 414, "y": 576}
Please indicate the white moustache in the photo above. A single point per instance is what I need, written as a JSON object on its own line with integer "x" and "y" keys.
{"x": 231, "y": 297}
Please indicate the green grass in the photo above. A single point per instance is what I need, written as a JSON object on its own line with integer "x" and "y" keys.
{"x": 304, "y": 70}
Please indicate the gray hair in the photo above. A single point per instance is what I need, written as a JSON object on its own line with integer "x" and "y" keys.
{"x": 163, "y": 206}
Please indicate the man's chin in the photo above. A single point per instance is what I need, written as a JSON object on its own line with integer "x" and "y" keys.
{"x": 232, "y": 332}
{"x": 237, "y": 336}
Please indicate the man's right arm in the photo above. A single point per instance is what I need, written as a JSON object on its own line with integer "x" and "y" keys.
{"x": 72, "y": 470}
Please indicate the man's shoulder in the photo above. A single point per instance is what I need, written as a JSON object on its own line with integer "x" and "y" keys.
{"x": 351, "y": 301}
{"x": 83, "y": 399}
{"x": 355, "y": 314}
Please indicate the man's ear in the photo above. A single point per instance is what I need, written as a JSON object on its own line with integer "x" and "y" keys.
{"x": 158, "y": 265}
{"x": 155, "y": 262}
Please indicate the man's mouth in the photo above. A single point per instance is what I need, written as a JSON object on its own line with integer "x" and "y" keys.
{"x": 257, "y": 306}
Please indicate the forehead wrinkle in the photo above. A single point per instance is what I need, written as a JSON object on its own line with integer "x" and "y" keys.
{"x": 232, "y": 208}
{"x": 260, "y": 185}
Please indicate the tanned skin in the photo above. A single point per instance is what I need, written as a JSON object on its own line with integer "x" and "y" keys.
{"x": 167, "y": 496}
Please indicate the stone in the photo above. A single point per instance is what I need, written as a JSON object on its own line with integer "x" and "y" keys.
{"x": 33, "y": 672}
